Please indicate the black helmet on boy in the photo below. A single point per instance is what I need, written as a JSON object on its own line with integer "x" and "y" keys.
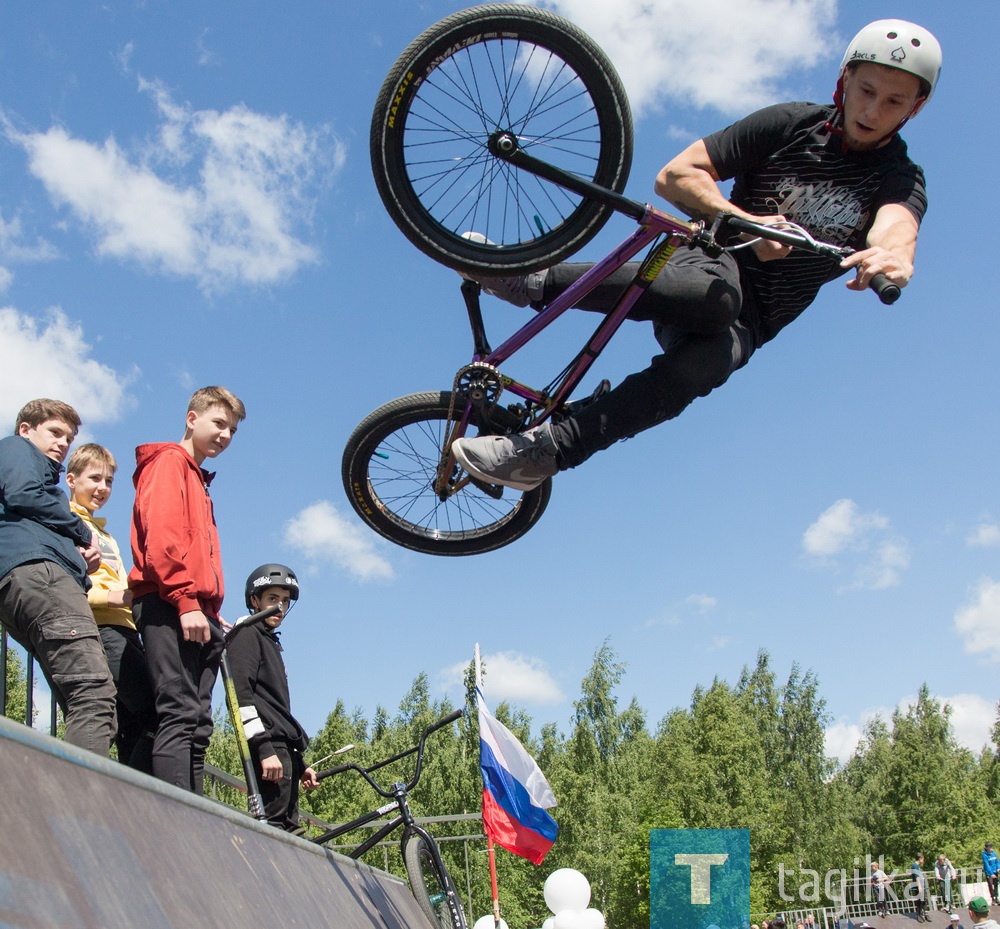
{"x": 271, "y": 575}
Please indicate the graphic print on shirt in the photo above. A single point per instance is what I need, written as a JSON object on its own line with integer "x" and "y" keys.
{"x": 829, "y": 210}
{"x": 108, "y": 554}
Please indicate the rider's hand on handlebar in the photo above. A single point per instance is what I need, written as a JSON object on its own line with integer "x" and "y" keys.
{"x": 875, "y": 260}
{"x": 309, "y": 780}
{"x": 765, "y": 249}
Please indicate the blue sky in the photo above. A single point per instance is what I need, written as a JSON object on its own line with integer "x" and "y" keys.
{"x": 187, "y": 200}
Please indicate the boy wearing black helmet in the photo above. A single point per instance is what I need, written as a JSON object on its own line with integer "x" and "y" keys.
{"x": 276, "y": 738}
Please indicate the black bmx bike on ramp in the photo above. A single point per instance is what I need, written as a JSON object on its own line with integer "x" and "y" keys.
{"x": 430, "y": 882}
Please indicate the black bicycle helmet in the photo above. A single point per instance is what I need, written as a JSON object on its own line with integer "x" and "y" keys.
{"x": 271, "y": 575}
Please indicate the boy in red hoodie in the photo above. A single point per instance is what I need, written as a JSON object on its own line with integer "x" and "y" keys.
{"x": 176, "y": 581}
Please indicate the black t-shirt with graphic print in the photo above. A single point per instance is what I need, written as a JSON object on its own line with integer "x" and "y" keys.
{"x": 784, "y": 160}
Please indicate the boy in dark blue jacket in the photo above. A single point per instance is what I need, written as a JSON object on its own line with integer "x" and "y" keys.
{"x": 46, "y": 553}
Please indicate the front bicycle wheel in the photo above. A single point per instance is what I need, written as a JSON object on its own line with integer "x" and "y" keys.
{"x": 482, "y": 71}
{"x": 390, "y": 468}
{"x": 432, "y": 885}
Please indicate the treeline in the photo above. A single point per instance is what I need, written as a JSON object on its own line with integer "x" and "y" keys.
{"x": 15, "y": 690}
{"x": 744, "y": 755}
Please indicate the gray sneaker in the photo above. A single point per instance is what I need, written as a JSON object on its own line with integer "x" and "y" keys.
{"x": 521, "y": 289}
{"x": 520, "y": 461}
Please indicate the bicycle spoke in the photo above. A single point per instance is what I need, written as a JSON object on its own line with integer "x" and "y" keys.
{"x": 506, "y": 85}
{"x": 402, "y": 474}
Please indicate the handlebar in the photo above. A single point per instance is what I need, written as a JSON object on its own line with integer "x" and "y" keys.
{"x": 887, "y": 292}
{"x": 418, "y": 749}
{"x": 505, "y": 146}
{"x": 251, "y": 620}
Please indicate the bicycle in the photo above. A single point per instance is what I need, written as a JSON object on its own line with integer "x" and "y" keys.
{"x": 453, "y": 136}
{"x": 430, "y": 882}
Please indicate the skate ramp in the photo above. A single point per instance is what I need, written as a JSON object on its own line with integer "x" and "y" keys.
{"x": 89, "y": 844}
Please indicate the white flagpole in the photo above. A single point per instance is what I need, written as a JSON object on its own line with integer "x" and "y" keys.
{"x": 489, "y": 842}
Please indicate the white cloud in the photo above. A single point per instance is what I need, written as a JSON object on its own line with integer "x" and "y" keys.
{"x": 51, "y": 358}
{"x": 219, "y": 197}
{"x": 730, "y": 56}
{"x": 985, "y": 535}
{"x": 679, "y": 612}
{"x": 322, "y": 534}
{"x": 703, "y": 603}
{"x": 511, "y": 676}
{"x": 972, "y": 717}
{"x": 978, "y": 622}
{"x": 14, "y": 249}
{"x": 841, "y": 740}
{"x": 859, "y": 543}
{"x": 840, "y": 527}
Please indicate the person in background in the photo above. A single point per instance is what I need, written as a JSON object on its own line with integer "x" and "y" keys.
{"x": 945, "y": 873}
{"x": 979, "y": 914}
{"x": 919, "y": 887}
{"x": 46, "y": 553}
{"x": 90, "y": 475}
{"x": 991, "y": 868}
{"x": 177, "y": 583}
{"x": 277, "y": 739}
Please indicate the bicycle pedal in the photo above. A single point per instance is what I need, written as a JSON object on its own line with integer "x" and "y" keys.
{"x": 495, "y": 491}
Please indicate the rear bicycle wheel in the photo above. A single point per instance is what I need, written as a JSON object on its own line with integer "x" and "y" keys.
{"x": 488, "y": 69}
{"x": 432, "y": 886}
{"x": 389, "y": 470}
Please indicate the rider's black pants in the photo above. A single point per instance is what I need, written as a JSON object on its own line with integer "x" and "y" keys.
{"x": 694, "y": 305}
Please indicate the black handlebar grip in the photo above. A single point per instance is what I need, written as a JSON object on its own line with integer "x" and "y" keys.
{"x": 250, "y": 621}
{"x": 887, "y": 292}
{"x": 329, "y": 772}
{"x": 450, "y": 718}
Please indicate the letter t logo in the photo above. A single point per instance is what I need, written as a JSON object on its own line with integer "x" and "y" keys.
{"x": 701, "y": 875}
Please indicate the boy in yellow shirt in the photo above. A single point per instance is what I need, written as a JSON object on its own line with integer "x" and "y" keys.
{"x": 90, "y": 474}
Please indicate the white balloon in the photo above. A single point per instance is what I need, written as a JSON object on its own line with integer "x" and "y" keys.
{"x": 549, "y": 923}
{"x": 486, "y": 922}
{"x": 591, "y": 919}
{"x": 569, "y": 919}
{"x": 566, "y": 889}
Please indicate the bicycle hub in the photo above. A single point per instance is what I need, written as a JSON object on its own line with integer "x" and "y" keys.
{"x": 502, "y": 144}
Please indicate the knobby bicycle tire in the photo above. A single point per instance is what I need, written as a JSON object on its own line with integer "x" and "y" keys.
{"x": 503, "y": 67}
{"x": 432, "y": 886}
{"x": 389, "y": 468}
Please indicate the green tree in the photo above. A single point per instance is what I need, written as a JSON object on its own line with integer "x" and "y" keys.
{"x": 15, "y": 683}
{"x": 745, "y": 756}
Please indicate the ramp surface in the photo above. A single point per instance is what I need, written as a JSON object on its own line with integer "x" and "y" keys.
{"x": 86, "y": 843}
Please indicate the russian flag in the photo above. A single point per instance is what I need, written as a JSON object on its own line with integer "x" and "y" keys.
{"x": 515, "y": 792}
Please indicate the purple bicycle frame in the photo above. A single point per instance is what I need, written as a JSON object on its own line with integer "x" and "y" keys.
{"x": 652, "y": 225}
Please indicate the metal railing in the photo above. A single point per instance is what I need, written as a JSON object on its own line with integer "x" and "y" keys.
{"x": 864, "y": 907}
{"x": 30, "y": 663}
